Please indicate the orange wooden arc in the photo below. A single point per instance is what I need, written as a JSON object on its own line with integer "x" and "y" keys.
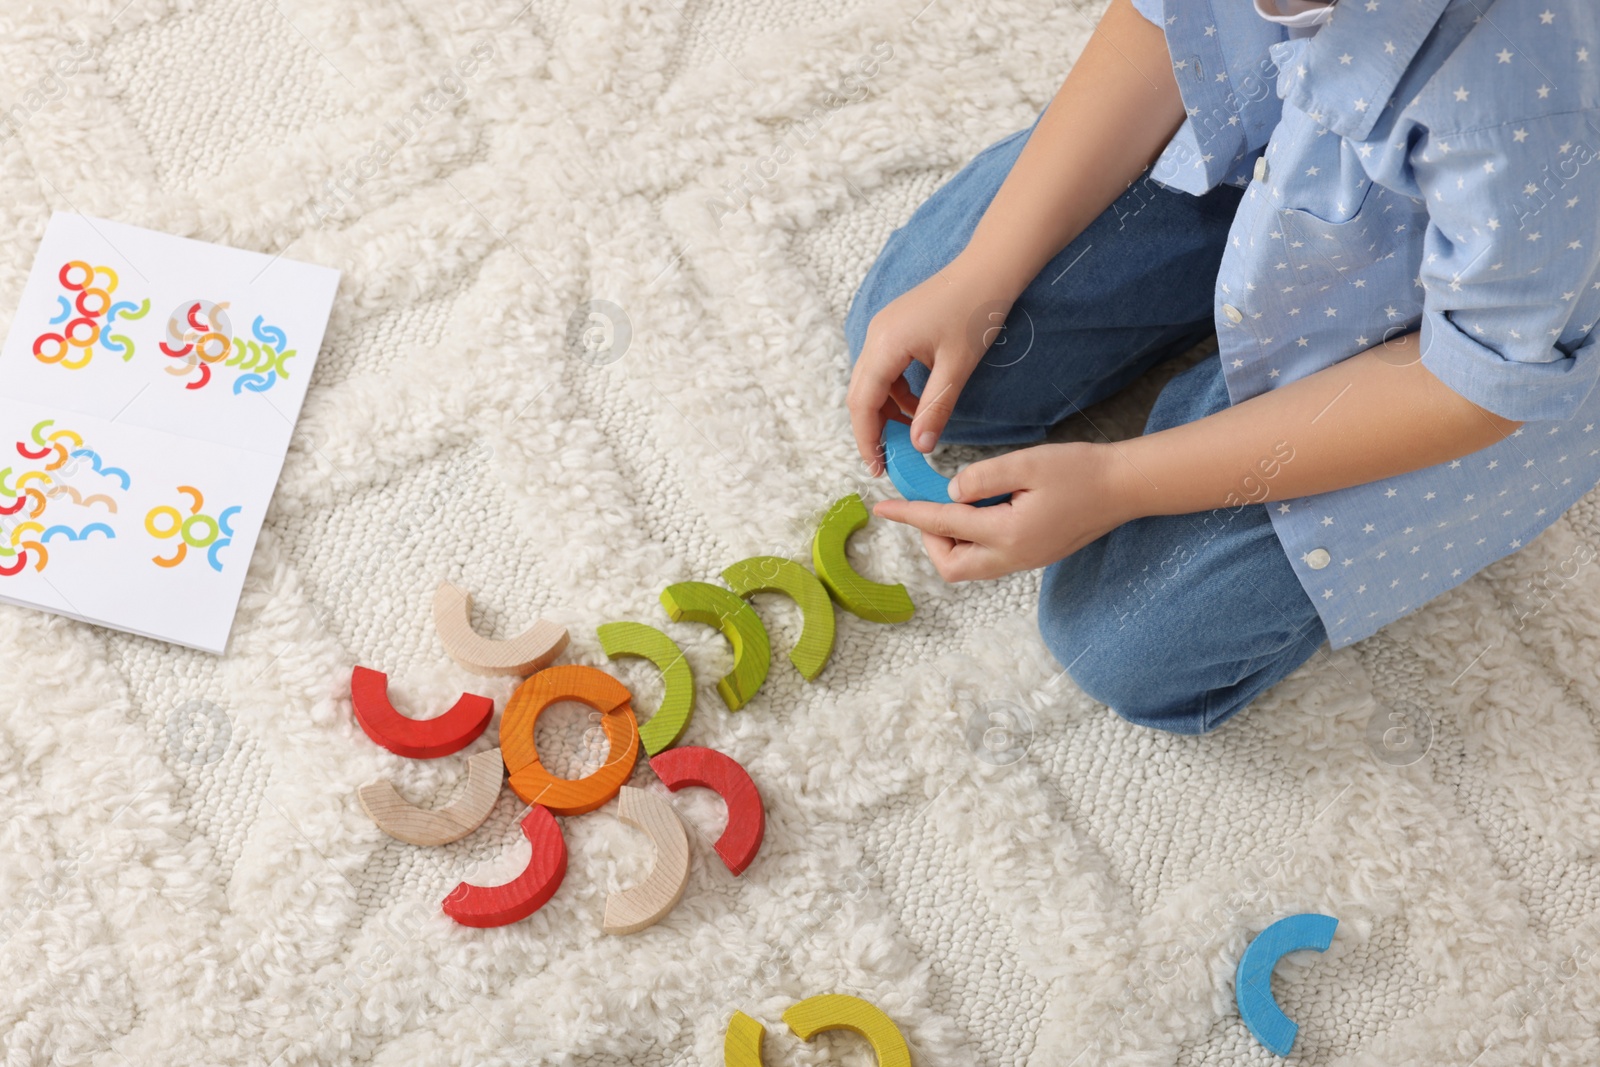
{"x": 498, "y": 905}
{"x": 586, "y": 685}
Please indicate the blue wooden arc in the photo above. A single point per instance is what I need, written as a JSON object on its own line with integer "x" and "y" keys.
{"x": 911, "y": 472}
{"x": 1252, "y": 984}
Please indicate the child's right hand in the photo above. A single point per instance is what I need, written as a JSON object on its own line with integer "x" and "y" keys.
{"x": 1112, "y": 117}
{"x": 946, "y": 324}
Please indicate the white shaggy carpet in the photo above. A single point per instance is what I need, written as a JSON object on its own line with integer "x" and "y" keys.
{"x": 185, "y": 875}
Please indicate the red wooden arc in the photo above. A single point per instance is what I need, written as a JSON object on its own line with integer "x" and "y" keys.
{"x": 722, "y": 774}
{"x": 498, "y": 905}
{"x": 415, "y": 738}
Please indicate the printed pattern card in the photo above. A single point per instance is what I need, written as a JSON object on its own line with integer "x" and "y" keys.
{"x": 159, "y": 331}
{"x": 152, "y": 386}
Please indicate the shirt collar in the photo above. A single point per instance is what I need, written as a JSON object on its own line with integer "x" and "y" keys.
{"x": 1345, "y": 75}
{"x": 1295, "y": 13}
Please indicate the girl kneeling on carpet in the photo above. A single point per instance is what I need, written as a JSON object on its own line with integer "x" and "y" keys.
{"x": 1388, "y": 213}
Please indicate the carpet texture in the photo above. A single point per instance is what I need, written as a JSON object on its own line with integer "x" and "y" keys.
{"x": 955, "y": 832}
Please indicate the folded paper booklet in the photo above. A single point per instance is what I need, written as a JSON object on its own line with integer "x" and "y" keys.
{"x": 151, "y": 389}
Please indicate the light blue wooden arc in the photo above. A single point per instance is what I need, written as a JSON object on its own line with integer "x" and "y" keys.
{"x": 1252, "y": 983}
{"x": 911, "y": 472}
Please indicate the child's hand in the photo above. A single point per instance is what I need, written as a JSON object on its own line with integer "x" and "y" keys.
{"x": 946, "y": 324}
{"x": 1062, "y": 497}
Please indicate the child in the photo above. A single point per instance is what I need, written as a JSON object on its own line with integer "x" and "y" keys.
{"x": 1388, "y": 212}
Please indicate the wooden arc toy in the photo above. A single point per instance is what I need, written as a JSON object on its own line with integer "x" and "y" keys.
{"x": 860, "y": 596}
{"x": 535, "y": 647}
{"x": 586, "y": 685}
{"x": 773, "y": 574}
{"x": 497, "y": 905}
{"x": 630, "y": 910}
{"x": 913, "y": 475}
{"x": 415, "y": 738}
{"x": 1252, "y": 981}
{"x": 741, "y": 1045}
{"x": 837, "y": 1011}
{"x": 677, "y": 701}
{"x": 722, "y": 774}
{"x": 403, "y": 820}
{"x": 715, "y": 606}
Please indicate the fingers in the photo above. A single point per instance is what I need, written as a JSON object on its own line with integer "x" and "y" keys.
{"x": 901, "y": 394}
{"x": 938, "y": 549}
{"x": 994, "y": 477}
{"x": 962, "y": 561}
{"x": 945, "y": 380}
{"x": 958, "y": 522}
{"x": 870, "y": 390}
{"x": 956, "y": 536}
{"x": 867, "y": 426}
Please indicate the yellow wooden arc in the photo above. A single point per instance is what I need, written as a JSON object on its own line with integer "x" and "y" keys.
{"x": 838, "y": 1011}
{"x": 741, "y": 1045}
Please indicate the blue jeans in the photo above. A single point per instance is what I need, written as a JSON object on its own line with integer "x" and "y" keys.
{"x": 1175, "y": 622}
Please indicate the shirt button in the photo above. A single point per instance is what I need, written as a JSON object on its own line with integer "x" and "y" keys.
{"x": 1261, "y": 168}
{"x": 1233, "y": 313}
{"x": 1318, "y": 558}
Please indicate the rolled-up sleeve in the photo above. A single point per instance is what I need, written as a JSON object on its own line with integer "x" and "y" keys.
{"x": 1227, "y": 77}
{"x": 1509, "y": 264}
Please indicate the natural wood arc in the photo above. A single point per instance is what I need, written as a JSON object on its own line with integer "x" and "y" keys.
{"x": 442, "y": 735}
{"x": 630, "y": 910}
{"x": 860, "y": 596}
{"x": 535, "y": 647}
{"x": 774, "y": 574}
{"x": 722, "y": 774}
{"x": 498, "y": 905}
{"x": 403, "y": 820}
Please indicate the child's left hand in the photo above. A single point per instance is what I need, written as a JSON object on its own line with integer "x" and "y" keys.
{"x": 1062, "y": 497}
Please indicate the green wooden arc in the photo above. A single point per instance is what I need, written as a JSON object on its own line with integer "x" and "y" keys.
{"x": 860, "y": 596}
{"x": 773, "y": 574}
{"x": 671, "y": 718}
{"x": 715, "y": 606}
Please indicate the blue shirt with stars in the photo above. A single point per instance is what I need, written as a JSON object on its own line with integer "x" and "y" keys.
{"x": 1412, "y": 165}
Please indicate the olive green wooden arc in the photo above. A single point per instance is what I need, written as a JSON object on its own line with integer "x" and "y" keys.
{"x": 677, "y": 699}
{"x": 773, "y": 574}
{"x": 715, "y": 606}
{"x": 860, "y": 596}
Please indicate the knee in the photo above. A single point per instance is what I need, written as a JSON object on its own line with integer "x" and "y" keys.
{"x": 1127, "y": 658}
{"x": 1142, "y": 683}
